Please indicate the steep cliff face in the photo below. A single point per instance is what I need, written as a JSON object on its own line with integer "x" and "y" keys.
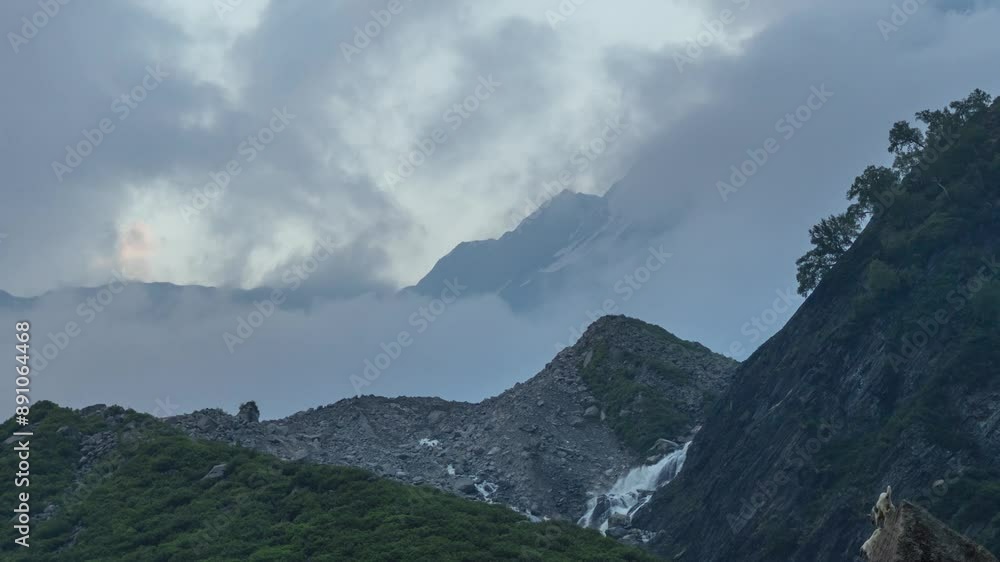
{"x": 889, "y": 373}
{"x": 542, "y": 447}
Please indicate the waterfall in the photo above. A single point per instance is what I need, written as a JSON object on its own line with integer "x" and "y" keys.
{"x": 632, "y": 491}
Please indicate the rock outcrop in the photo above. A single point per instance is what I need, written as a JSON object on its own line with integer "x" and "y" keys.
{"x": 911, "y": 534}
{"x": 249, "y": 413}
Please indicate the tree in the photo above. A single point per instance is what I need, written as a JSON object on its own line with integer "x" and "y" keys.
{"x": 872, "y": 187}
{"x": 831, "y": 239}
{"x": 940, "y": 128}
{"x": 906, "y": 142}
{"x": 870, "y": 191}
{"x": 975, "y": 103}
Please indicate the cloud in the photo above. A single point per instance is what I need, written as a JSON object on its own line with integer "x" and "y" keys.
{"x": 135, "y": 344}
{"x": 226, "y": 72}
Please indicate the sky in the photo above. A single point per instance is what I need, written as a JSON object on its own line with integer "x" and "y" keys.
{"x": 217, "y": 143}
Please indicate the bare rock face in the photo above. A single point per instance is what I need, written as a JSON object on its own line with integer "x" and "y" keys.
{"x": 910, "y": 534}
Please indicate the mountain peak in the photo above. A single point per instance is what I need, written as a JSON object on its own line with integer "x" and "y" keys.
{"x": 622, "y": 327}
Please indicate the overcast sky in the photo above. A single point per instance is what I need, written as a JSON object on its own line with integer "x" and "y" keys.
{"x": 313, "y": 104}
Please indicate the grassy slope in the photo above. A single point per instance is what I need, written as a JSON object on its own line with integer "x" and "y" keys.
{"x": 148, "y": 502}
{"x": 616, "y": 385}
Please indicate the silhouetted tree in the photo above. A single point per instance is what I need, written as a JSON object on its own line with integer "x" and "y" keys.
{"x": 831, "y": 238}
{"x": 834, "y": 235}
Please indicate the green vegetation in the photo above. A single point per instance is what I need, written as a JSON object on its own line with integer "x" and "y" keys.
{"x": 637, "y": 413}
{"x": 663, "y": 334}
{"x": 831, "y": 239}
{"x": 149, "y": 501}
{"x": 924, "y": 193}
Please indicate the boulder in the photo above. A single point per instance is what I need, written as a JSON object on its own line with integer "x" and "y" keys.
{"x": 600, "y": 510}
{"x": 618, "y": 520}
{"x": 218, "y": 471}
{"x": 664, "y": 447}
{"x": 249, "y": 413}
{"x": 466, "y": 486}
{"x": 592, "y": 412}
{"x": 95, "y": 409}
{"x": 616, "y": 532}
{"x": 206, "y": 423}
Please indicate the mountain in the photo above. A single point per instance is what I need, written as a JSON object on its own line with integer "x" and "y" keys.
{"x": 597, "y": 410}
{"x": 541, "y": 256}
{"x": 559, "y": 233}
{"x": 888, "y": 374}
{"x": 111, "y": 484}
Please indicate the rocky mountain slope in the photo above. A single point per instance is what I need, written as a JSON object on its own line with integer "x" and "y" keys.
{"x": 626, "y": 394}
{"x": 111, "y": 484}
{"x": 889, "y": 373}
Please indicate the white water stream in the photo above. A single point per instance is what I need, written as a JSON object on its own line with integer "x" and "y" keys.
{"x": 633, "y": 490}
